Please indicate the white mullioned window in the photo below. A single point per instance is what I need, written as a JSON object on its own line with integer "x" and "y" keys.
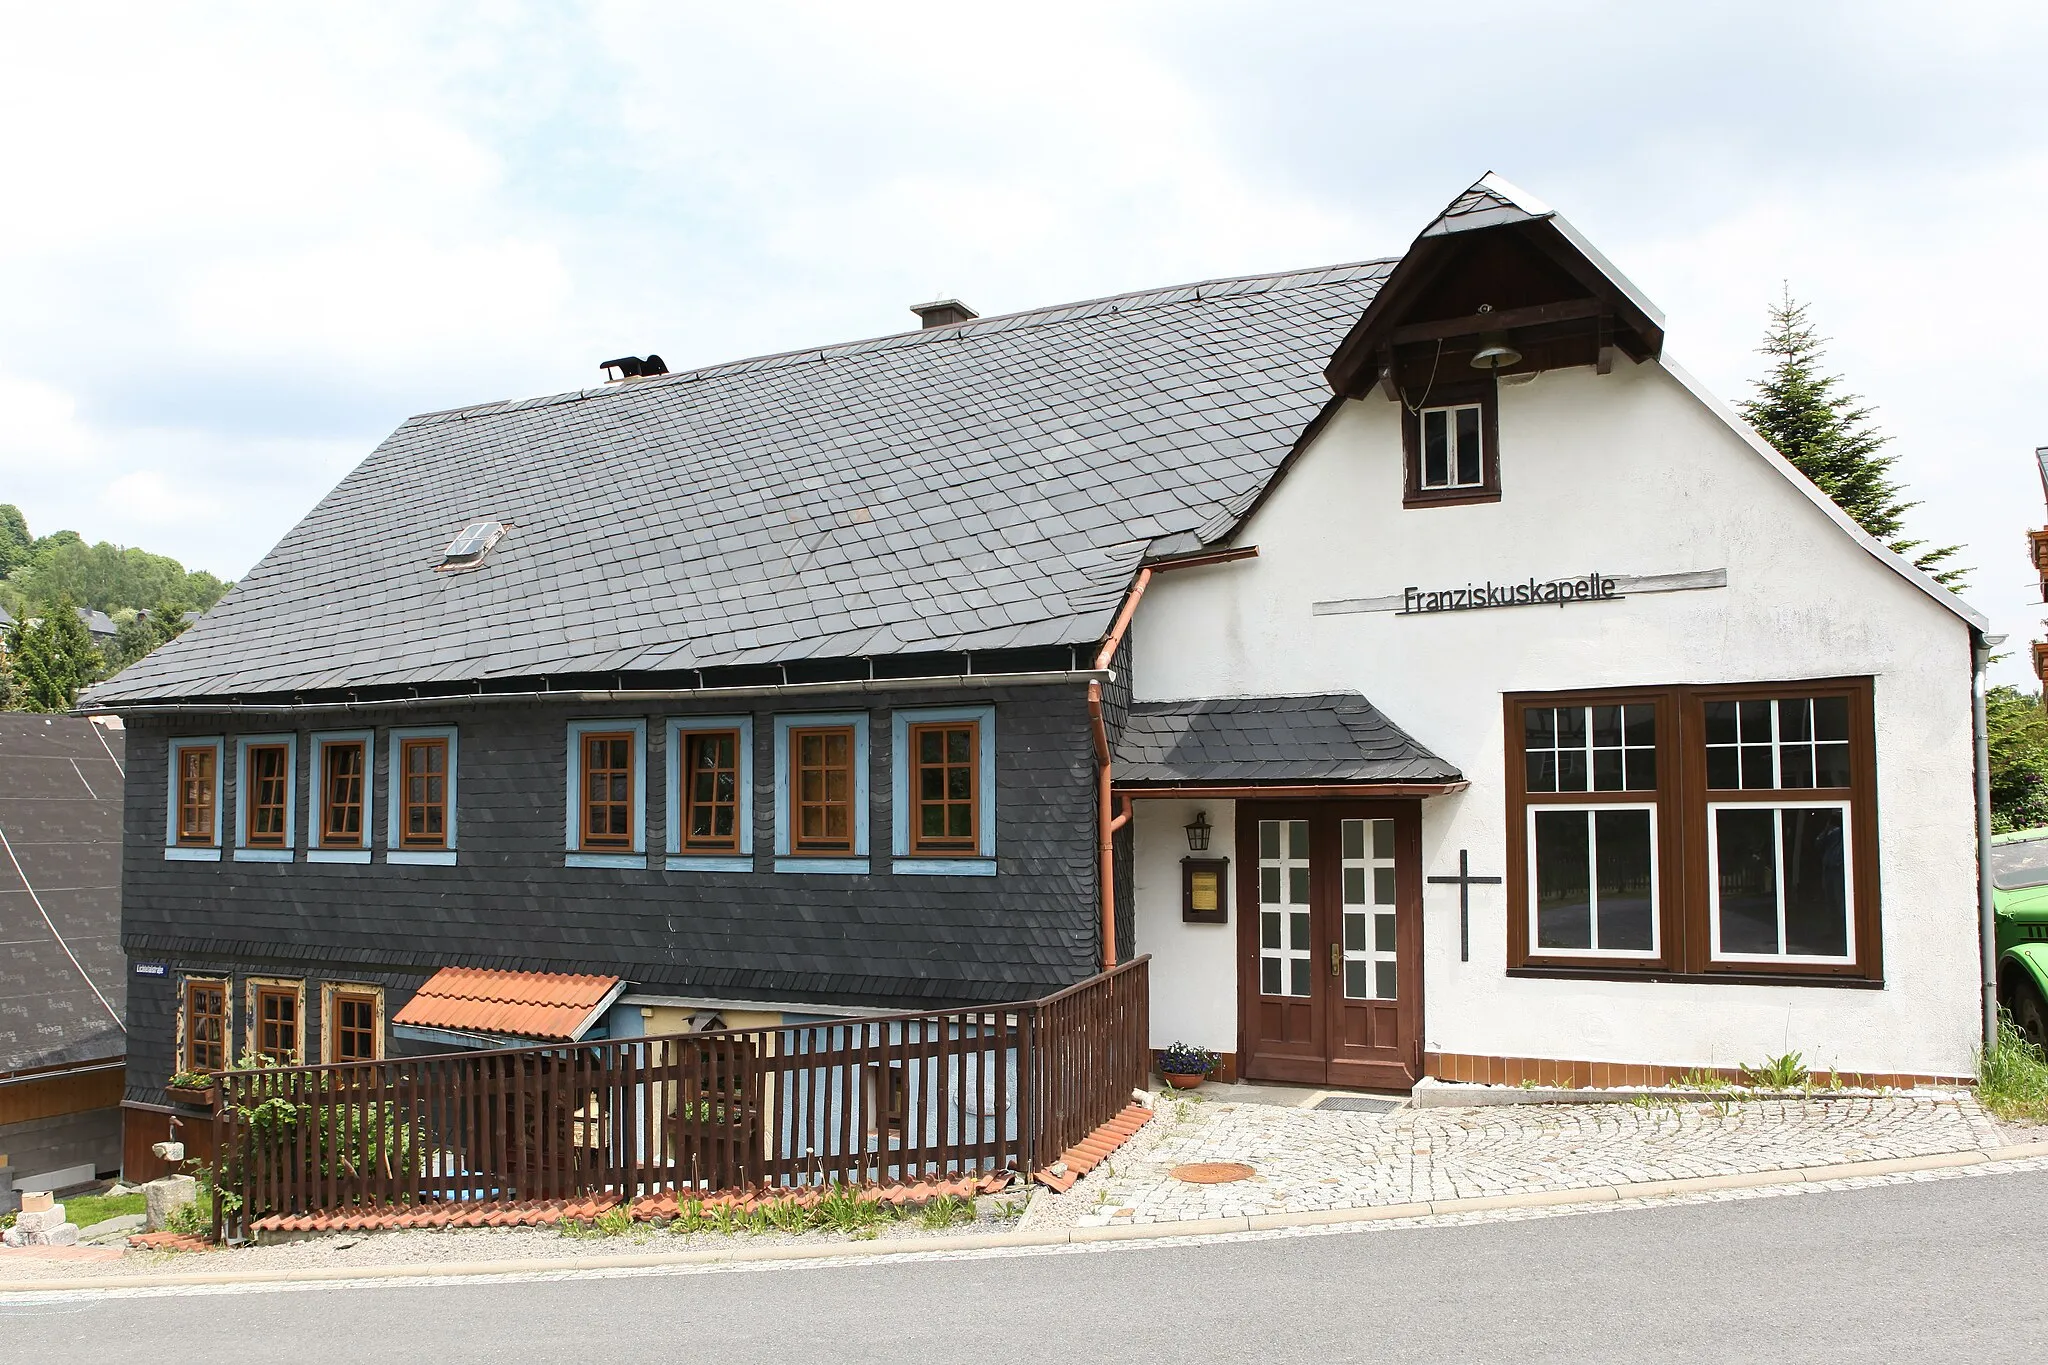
{"x": 1451, "y": 451}
{"x": 1285, "y": 954}
{"x": 1371, "y": 936}
{"x": 1593, "y": 880}
{"x": 1781, "y": 881}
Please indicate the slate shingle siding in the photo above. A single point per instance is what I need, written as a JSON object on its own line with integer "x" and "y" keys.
{"x": 1331, "y": 737}
{"x": 981, "y": 487}
{"x": 509, "y": 901}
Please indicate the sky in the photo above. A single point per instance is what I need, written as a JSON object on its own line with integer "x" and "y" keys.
{"x": 239, "y": 244}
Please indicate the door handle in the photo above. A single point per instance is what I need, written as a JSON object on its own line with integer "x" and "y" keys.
{"x": 1336, "y": 959}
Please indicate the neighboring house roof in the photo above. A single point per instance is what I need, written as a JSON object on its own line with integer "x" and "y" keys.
{"x": 63, "y": 979}
{"x": 1332, "y": 737}
{"x": 98, "y": 622}
{"x": 988, "y": 485}
{"x": 540, "y": 1005}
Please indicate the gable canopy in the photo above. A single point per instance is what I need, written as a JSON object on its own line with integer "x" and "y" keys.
{"x": 1495, "y": 261}
{"x": 1337, "y": 737}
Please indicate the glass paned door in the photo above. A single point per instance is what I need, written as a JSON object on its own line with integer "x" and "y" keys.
{"x": 1371, "y": 929}
{"x": 1286, "y": 944}
{"x": 1330, "y": 944}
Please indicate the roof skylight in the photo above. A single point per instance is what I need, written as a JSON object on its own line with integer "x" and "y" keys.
{"x": 468, "y": 549}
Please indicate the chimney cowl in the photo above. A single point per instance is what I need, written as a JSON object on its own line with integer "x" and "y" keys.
{"x": 943, "y": 313}
{"x": 632, "y": 367}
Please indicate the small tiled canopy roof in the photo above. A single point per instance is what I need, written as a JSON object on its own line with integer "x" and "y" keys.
{"x": 1330, "y": 737}
{"x": 542, "y": 1005}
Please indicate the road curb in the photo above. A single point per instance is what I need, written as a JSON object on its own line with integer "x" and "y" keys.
{"x": 1118, "y": 1232}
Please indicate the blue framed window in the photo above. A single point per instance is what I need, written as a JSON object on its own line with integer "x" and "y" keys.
{"x": 821, "y": 793}
{"x": 341, "y": 797}
{"x": 606, "y": 820}
{"x": 942, "y": 787}
{"x": 420, "y": 804}
{"x": 192, "y": 804}
{"x": 710, "y": 793}
{"x": 266, "y": 828}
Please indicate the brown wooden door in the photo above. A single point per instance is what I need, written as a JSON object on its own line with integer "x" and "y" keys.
{"x": 1330, "y": 942}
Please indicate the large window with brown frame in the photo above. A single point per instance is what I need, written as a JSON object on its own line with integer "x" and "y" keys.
{"x": 355, "y": 1027}
{"x": 711, "y": 791}
{"x": 423, "y": 793}
{"x": 1709, "y": 831}
{"x": 197, "y": 781}
{"x": 343, "y": 768}
{"x": 266, "y": 785}
{"x": 206, "y": 1025}
{"x": 277, "y": 1024}
{"x": 607, "y": 821}
{"x": 821, "y": 790}
{"x": 945, "y": 781}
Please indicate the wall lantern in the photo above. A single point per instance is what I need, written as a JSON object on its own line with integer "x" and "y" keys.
{"x": 1198, "y": 832}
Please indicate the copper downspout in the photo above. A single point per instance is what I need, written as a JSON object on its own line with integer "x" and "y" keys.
{"x": 1107, "y": 824}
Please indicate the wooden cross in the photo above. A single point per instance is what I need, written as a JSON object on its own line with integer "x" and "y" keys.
{"x": 1465, "y": 881}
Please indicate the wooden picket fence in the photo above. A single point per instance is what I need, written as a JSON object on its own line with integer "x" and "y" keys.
{"x": 878, "y": 1100}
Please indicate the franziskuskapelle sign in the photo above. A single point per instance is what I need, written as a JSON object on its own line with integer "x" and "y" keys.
{"x": 1556, "y": 592}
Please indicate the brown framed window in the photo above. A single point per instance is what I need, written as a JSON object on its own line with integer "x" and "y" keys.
{"x": 206, "y": 1025}
{"x": 945, "y": 782}
{"x": 607, "y": 790}
{"x": 821, "y": 790}
{"x": 266, "y": 786}
{"x": 423, "y": 792}
{"x": 197, "y": 782}
{"x": 1451, "y": 445}
{"x": 1707, "y": 831}
{"x": 711, "y": 791}
{"x": 277, "y": 1024}
{"x": 344, "y": 766}
{"x": 354, "y": 1026}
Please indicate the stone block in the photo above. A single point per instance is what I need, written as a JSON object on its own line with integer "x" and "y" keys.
{"x": 161, "y": 1197}
{"x": 31, "y": 1221}
{"x": 63, "y": 1235}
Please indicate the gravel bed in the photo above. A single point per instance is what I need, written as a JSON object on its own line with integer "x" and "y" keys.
{"x": 428, "y": 1247}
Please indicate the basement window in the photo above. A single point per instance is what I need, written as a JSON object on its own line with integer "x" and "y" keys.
{"x": 468, "y": 549}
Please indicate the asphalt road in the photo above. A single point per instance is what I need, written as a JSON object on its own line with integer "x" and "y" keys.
{"x": 1951, "y": 1270}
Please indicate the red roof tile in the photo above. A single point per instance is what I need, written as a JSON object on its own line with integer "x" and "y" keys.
{"x": 544, "y": 1005}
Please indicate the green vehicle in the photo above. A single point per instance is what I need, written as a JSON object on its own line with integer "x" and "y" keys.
{"x": 2019, "y": 896}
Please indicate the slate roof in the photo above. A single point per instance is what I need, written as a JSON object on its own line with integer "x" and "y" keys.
{"x": 988, "y": 485}
{"x": 63, "y": 978}
{"x": 545, "y": 1005}
{"x": 1331, "y": 737}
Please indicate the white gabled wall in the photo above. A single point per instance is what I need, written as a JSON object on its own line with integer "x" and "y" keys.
{"x": 1626, "y": 473}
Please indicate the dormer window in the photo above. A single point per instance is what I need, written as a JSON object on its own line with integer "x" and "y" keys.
{"x": 468, "y": 549}
{"x": 1451, "y": 455}
{"x": 1451, "y": 446}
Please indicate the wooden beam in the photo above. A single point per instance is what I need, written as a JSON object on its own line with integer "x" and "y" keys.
{"x": 1605, "y": 364}
{"x": 1390, "y": 383}
{"x": 1570, "y": 310}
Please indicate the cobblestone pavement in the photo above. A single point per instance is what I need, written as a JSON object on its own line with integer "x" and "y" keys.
{"x": 1311, "y": 1159}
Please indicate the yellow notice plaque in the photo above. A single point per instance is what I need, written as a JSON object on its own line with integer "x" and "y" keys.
{"x": 1202, "y": 890}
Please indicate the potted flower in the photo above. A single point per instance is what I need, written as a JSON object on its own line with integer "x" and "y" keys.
{"x": 191, "y": 1087}
{"x": 1186, "y": 1066}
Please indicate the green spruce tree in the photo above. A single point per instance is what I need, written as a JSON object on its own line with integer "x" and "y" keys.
{"x": 51, "y": 659}
{"x": 1829, "y": 436}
